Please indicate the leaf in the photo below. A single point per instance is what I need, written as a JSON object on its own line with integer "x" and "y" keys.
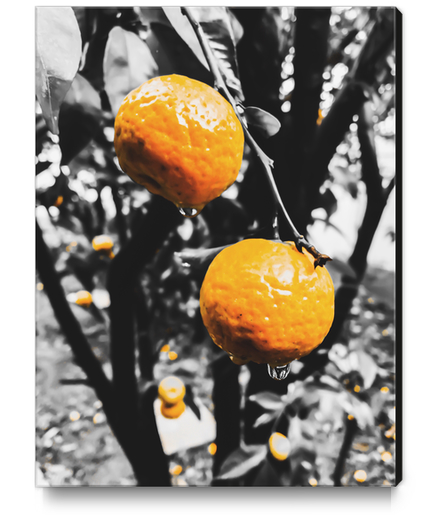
{"x": 182, "y": 26}
{"x": 216, "y": 25}
{"x": 173, "y": 55}
{"x": 189, "y": 400}
{"x": 267, "y": 476}
{"x": 127, "y": 64}
{"x": 367, "y": 368}
{"x": 80, "y": 118}
{"x": 241, "y": 461}
{"x": 264, "y": 122}
{"x": 237, "y": 29}
{"x": 99, "y": 23}
{"x": 268, "y": 400}
{"x": 264, "y": 419}
{"x": 359, "y": 409}
{"x": 198, "y": 259}
{"x": 58, "y": 53}
{"x": 341, "y": 267}
{"x": 380, "y": 284}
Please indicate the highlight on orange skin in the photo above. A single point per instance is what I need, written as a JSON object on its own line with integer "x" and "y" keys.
{"x": 180, "y": 139}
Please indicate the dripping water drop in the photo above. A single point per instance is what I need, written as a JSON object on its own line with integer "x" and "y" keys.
{"x": 279, "y": 373}
{"x": 188, "y": 212}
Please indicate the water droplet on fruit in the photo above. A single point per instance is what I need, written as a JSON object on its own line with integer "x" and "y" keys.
{"x": 279, "y": 373}
{"x": 188, "y": 212}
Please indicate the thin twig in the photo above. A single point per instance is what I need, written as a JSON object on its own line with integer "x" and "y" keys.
{"x": 349, "y": 435}
{"x": 265, "y": 161}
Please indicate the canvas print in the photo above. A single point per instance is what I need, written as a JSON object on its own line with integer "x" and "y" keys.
{"x": 218, "y": 292}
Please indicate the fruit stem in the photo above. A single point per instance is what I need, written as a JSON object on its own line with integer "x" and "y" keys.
{"x": 266, "y": 163}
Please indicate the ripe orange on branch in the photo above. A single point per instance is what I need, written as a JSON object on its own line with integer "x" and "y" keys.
{"x": 264, "y": 301}
{"x": 180, "y": 139}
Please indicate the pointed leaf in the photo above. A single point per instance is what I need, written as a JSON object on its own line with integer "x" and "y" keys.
{"x": 80, "y": 118}
{"x": 267, "y": 476}
{"x": 268, "y": 400}
{"x": 181, "y": 24}
{"x": 173, "y": 55}
{"x": 216, "y": 24}
{"x": 127, "y": 64}
{"x": 58, "y": 53}
{"x": 237, "y": 29}
{"x": 242, "y": 461}
{"x": 264, "y": 122}
{"x": 266, "y": 418}
{"x": 366, "y": 366}
{"x": 198, "y": 259}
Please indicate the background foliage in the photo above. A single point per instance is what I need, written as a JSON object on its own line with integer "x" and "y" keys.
{"x": 327, "y": 76}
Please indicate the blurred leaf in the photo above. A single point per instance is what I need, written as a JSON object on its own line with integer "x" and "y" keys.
{"x": 182, "y": 26}
{"x": 267, "y": 476}
{"x": 198, "y": 259}
{"x": 241, "y": 461}
{"x": 380, "y": 284}
{"x": 237, "y": 28}
{"x": 173, "y": 55}
{"x": 58, "y": 53}
{"x": 216, "y": 24}
{"x": 264, "y": 419}
{"x": 188, "y": 399}
{"x": 150, "y": 15}
{"x": 341, "y": 267}
{"x": 359, "y": 409}
{"x": 80, "y": 118}
{"x": 127, "y": 64}
{"x": 268, "y": 400}
{"x": 99, "y": 23}
{"x": 264, "y": 122}
{"x": 367, "y": 367}
{"x": 86, "y": 18}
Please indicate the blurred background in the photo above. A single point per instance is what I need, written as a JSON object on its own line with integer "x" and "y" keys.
{"x": 328, "y": 77}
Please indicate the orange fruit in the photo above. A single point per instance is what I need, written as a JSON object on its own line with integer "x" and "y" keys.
{"x": 279, "y": 446}
{"x": 103, "y": 244}
{"x": 172, "y": 410}
{"x": 171, "y": 390}
{"x": 264, "y": 301}
{"x": 180, "y": 139}
{"x": 83, "y": 298}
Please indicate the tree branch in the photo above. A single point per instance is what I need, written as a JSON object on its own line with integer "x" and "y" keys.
{"x": 123, "y": 276}
{"x": 349, "y": 435}
{"x": 226, "y": 398}
{"x": 349, "y": 101}
{"x": 70, "y": 325}
{"x": 377, "y": 198}
{"x": 311, "y": 45}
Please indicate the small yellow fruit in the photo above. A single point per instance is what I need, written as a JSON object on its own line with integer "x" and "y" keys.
{"x": 279, "y": 446}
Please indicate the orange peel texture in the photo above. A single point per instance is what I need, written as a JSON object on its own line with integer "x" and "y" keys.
{"x": 180, "y": 139}
{"x": 264, "y": 301}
